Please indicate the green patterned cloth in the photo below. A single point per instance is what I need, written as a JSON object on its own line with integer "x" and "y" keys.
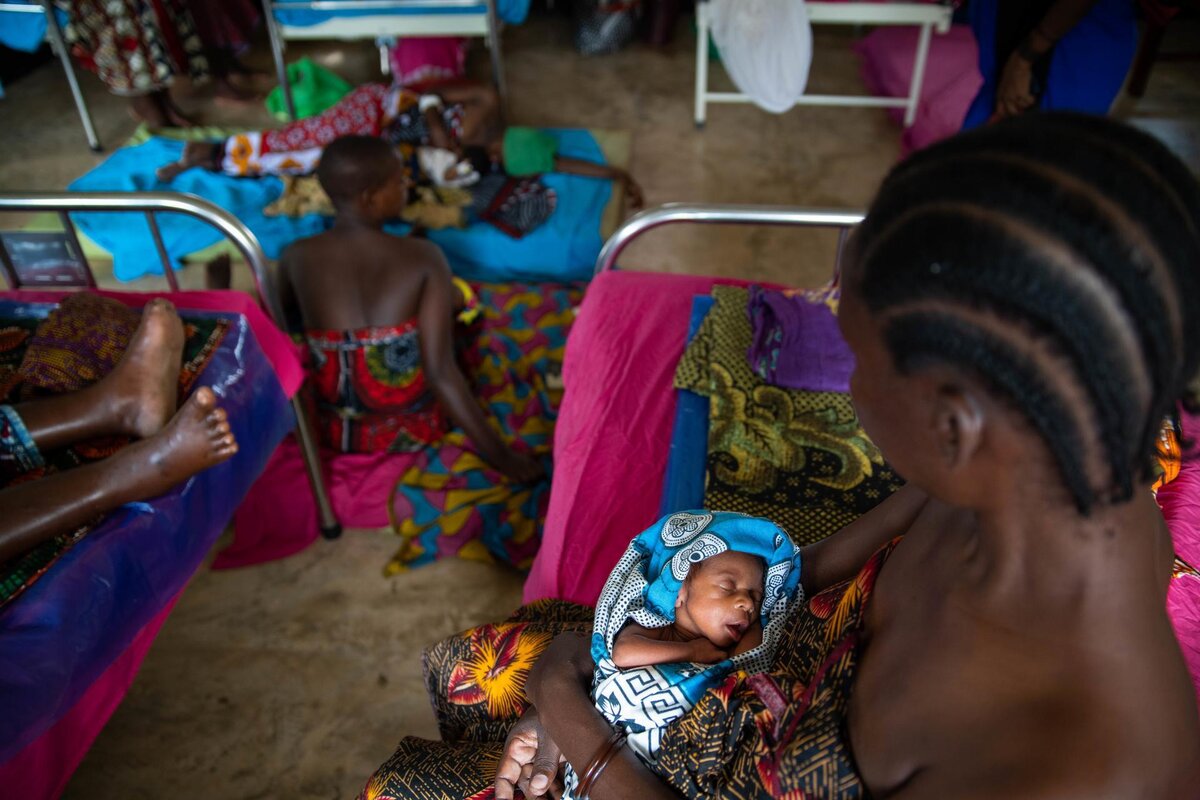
{"x": 798, "y": 458}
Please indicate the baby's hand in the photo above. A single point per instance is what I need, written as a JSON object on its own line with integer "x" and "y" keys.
{"x": 705, "y": 652}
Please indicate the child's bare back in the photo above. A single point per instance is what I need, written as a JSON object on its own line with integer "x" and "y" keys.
{"x": 356, "y": 277}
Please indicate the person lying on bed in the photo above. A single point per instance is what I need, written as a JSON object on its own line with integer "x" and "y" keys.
{"x": 136, "y": 399}
{"x": 378, "y": 314}
{"x": 688, "y": 603}
{"x": 463, "y": 119}
{"x": 1020, "y": 302}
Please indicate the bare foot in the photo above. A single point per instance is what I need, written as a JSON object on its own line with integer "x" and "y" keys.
{"x": 141, "y": 389}
{"x": 196, "y": 438}
{"x": 195, "y": 154}
{"x": 218, "y": 273}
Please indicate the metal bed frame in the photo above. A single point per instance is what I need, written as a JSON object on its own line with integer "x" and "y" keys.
{"x": 384, "y": 27}
{"x": 149, "y": 203}
{"x": 719, "y": 214}
{"x": 929, "y": 16}
{"x": 54, "y": 33}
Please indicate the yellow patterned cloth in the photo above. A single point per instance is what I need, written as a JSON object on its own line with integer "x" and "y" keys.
{"x": 798, "y": 458}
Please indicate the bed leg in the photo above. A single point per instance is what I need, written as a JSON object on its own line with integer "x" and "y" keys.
{"x": 918, "y": 76}
{"x": 327, "y": 520}
{"x": 701, "y": 63}
{"x": 58, "y": 43}
{"x": 276, "y": 37}
{"x": 493, "y": 40}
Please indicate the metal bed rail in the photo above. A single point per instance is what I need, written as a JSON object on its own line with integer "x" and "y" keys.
{"x": 929, "y": 16}
{"x": 54, "y": 33}
{"x": 715, "y": 213}
{"x": 150, "y": 203}
{"x": 385, "y": 26}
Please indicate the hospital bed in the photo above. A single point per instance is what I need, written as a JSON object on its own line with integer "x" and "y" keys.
{"x": 929, "y": 16}
{"x": 23, "y": 26}
{"x": 625, "y": 450}
{"x": 72, "y": 639}
{"x": 383, "y": 21}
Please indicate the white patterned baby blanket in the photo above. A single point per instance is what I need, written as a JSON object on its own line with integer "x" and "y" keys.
{"x": 643, "y": 588}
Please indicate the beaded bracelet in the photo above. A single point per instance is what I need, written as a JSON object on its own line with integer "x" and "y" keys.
{"x": 599, "y": 763}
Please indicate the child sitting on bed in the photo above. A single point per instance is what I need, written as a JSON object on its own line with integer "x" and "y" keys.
{"x": 378, "y": 314}
{"x": 696, "y": 596}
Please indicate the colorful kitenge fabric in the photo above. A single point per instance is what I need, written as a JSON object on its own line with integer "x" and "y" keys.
{"x": 372, "y": 109}
{"x": 450, "y": 501}
{"x": 95, "y": 344}
{"x": 780, "y": 733}
{"x": 135, "y": 47}
{"x": 798, "y": 458}
{"x": 643, "y": 588}
{"x": 371, "y": 393}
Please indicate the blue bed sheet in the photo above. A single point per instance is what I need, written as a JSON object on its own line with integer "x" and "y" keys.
{"x": 66, "y": 629}
{"x": 24, "y": 30}
{"x": 563, "y": 249}
{"x": 510, "y": 11}
{"x": 683, "y": 487}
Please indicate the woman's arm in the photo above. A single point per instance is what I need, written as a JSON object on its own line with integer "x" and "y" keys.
{"x": 436, "y": 324}
{"x": 840, "y": 556}
{"x": 558, "y": 686}
{"x": 1014, "y": 92}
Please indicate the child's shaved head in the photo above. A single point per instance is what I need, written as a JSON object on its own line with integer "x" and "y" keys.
{"x": 353, "y": 165}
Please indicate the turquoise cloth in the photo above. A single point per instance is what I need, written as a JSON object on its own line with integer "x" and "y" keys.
{"x": 563, "y": 249}
{"x": 511, "y": 11}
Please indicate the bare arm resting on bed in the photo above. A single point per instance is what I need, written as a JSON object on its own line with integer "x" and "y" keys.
{"x": 840, "y": 556}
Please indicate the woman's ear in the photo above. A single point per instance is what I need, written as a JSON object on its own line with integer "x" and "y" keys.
{"x": 958, "y": 425}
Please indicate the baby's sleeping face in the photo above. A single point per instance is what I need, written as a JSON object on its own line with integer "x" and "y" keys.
{"x": 721, "y": 598}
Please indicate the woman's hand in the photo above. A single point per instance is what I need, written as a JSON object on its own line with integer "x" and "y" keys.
{"x": 530, "y": 761}
{"x": 1014, "y": 93}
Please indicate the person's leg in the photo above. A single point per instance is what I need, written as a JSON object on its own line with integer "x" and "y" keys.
{"x": 136, "y": 398}
{"x": 196, "y": 438}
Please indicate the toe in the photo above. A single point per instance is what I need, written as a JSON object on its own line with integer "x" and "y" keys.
{"x": 204, "y": 397}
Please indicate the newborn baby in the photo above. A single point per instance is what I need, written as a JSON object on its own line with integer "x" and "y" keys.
{"x": 696, "y": 596}
{"x": 716, "y": 616}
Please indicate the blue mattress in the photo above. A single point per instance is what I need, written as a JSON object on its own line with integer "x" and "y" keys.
{"x": 510, "y": 11}
{"x": 683, "y": 487}
{"x": 563, "y": 249}
{"x": 69, "y": 626}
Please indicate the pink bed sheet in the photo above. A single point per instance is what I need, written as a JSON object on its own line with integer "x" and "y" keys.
{"x": 275, "y": 520}
{"x": 283, "y": 354}
{"x": 614, "y": 428}
{"x": 1180, "y": 501}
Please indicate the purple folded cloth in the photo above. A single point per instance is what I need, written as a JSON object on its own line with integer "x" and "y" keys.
{"x": 796, "y": 343}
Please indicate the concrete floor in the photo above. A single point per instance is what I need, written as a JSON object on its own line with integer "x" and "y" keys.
{"x": 296, "y": 679}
